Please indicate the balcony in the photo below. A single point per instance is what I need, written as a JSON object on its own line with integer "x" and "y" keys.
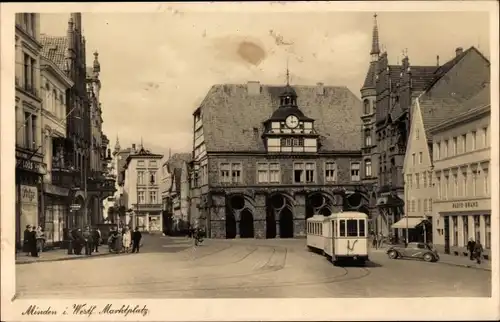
{"x": 66, "y": 177}
{"x": 97, "y": 181}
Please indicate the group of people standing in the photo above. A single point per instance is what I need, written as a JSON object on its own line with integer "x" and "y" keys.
{"x": 475, "y": 250}
{"x": 88, "y": 239}
{"x": 122, "y": 240}
{"x": 33, "y": 240}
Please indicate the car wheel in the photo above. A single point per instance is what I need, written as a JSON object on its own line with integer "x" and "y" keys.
{"x": 428, "y": 257}
{"x": 393, "y": 254}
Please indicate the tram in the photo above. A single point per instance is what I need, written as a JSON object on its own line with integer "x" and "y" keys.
{"x": 340, "y": 237}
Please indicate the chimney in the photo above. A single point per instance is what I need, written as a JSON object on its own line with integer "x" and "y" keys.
{"x": 459, "y": 51}
{"x": 437, "y": 60}
{"x": 320, "y": 89}
{"x": 253, "y": 88}
{"x": 133, "y": 147}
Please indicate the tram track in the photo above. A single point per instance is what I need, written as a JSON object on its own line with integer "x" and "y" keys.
{"x": 264, "y": 269}
{"x": 267, "y": 268}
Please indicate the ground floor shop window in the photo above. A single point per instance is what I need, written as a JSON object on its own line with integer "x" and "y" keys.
{"x": 487, "y": 222}
{"x": 465, "y": 220}
{"x": 455, "y": 230}
{"x": 477, "y": 228}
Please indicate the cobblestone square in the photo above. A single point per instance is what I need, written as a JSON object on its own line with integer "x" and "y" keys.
{"x": 243, "y": 268}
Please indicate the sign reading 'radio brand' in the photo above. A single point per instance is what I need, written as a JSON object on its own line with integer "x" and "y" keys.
{"x": 468, "y": 204}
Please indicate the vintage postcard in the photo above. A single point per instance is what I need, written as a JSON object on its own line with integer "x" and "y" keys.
{"x": 249, "y": 161}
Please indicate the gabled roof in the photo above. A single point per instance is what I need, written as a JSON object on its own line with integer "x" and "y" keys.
{"x": 176, "y": 161}
{"x": 449, "y": 111}
{"x": 233, "y": 118}
{"x": 54, "y": 49}
{"x": 467, "y": 94}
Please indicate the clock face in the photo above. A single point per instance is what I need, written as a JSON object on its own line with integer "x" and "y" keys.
{"x": 292, "y": 121}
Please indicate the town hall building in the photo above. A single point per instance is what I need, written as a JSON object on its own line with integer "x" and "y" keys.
{"x": 266, "y": 158}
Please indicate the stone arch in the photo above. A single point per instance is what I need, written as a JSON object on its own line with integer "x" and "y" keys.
{"x": 246, "y": 224}
{"x": 277, "y": 203}
{"x": 239, "y": 206}
{"x": 76, "y": 217}
{"x": 318, "y": 200}
{"x": 286, "y": 223}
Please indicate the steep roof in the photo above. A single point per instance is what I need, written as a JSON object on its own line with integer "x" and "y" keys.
{"x": 439, "y": 110}
{"x": 176, "y": 160}
{"x": 54, "y": 49}
{"x": 370, "y": 80}
{"x": 233, "y": 118}
{"x": 436, "y": 111}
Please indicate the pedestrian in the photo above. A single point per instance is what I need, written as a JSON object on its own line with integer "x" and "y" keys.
{"x": 87, "y": 234}
{"x": 136, "y": 240}
{"x": 478, "y": 250}
{"x": 40, "y": 239}
{"x": 32, "y": 243}
{"x": 26, "y": 240}
{"x": 380, "y": 239}
{"x": 96, "y": 237}
{"x": 126, "y": 239}
{"x": 470, "y": 248}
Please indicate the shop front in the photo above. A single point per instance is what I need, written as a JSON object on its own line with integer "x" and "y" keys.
{"x": 57, "y": 209}
{"x": 29, "y": 172}
{"x": 459, "y": 221}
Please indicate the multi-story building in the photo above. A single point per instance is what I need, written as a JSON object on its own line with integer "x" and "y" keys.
{"x": 68, "y": 52}
{"x": 462, "y": 153}
{"x": 75, "y": 171}
{"x": 100, "y": 186}
{"x": 54, "y": 83}
{"x": 265, "y": 158}
{"x": 114, "y": 206}
{"x": 30, "y": 166}
{"x": 457, "y": 92}
{"x": 141, "y": 190}
{"x": 176, "y": 193}
{"x": 388, "y": 94}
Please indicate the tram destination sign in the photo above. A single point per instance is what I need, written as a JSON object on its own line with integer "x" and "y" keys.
{"x": 465, "y": 204}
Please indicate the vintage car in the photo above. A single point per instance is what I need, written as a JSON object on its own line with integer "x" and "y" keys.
{"x": 413, "y": 250}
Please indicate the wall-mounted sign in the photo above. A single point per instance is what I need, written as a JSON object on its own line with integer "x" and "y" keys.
{"x": 29, "y": 195}
{"x": 30, "y": 165}
{"x": 465, "y": 204}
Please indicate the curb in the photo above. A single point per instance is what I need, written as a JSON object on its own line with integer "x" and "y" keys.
{"x": 465, "y": 266}
{"x": 76, "y": 257}
{"x": 445, "y": 263}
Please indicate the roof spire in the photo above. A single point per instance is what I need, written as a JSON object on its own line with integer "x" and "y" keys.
{"x": 375, "y": 40}
{"x": 117, "y": 144}
{"x": 142, "y": 145}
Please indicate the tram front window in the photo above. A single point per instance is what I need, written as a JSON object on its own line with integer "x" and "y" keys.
{"x": 352, "y": 228}
{"x": 362, "y": 228}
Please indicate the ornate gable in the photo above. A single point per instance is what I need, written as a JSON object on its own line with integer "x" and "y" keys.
{"x": 288, "y": 129}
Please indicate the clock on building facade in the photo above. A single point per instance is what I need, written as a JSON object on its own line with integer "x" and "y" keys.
{"x": 288, "y": 129}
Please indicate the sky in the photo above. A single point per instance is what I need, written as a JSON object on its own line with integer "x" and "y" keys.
{"x": 156, "y": 68}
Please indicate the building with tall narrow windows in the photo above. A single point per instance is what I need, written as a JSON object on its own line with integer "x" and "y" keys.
{"x": 30, "y": 165}
{"x": 437, "y": 145}
{"x": 141, "y": 190}
{"x": 265, "y": 158}
{"x": 388, "y": 93}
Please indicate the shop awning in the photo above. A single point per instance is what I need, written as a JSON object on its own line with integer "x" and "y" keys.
{"x": 410, "y": 222}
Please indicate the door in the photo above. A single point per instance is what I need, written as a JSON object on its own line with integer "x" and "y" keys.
{"x": 447, "y": 234}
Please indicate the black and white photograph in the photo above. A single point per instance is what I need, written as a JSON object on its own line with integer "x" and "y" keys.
{"x": 335, "y": 159}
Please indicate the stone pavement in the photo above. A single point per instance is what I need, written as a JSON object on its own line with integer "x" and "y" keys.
{"x": 59, "y": 254}
{"x": 243, "y": 268}
{"x": 446, "y": 259}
